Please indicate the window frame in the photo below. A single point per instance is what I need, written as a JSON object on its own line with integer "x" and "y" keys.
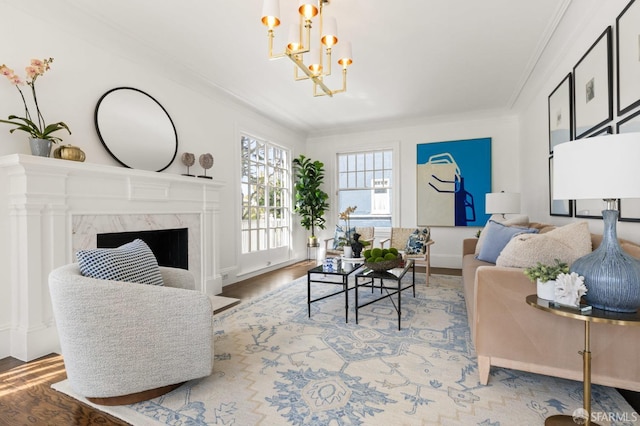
{"x": 265, "y": 225}
{"x": 361, "y": 177}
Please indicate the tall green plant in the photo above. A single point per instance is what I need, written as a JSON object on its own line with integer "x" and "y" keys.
{"x": 311, "y": 201}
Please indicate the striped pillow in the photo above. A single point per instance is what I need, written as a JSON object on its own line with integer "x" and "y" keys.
{"x": 131, "y": 262}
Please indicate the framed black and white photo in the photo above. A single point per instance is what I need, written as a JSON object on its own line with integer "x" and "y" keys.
{"x": 561, "y": 113}
{"x": 628, "y": 57}
{"x": 557, "y": 207}
{"x": 593, "y": 87}
{"x": 591, "y": 209}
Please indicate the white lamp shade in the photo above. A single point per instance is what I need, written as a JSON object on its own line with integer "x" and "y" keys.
{"x": 345, "y": 58}
{"x": 329, "y": 32}
{"x": 308, "y": 8}
{"x": 294, "y": 37}
{"x": 271, "y": 13}
{"x": 502, "y": 203}
{"x": 315, "y": 62}
{"x": 605, "y": 167}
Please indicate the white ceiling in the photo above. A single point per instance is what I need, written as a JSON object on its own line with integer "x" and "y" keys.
{"x": 412, "y": 58}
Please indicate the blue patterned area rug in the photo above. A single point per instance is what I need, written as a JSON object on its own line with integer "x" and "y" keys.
{"x": 275, "y": 366}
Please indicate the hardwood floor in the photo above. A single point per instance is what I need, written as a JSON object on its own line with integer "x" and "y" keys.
{"x": 26, "y": 397}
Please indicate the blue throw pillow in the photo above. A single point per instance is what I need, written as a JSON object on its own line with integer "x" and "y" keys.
{"x": 416, "y": 242}
{"x": 132, "y": 262}
{"x": 496, "y": 238}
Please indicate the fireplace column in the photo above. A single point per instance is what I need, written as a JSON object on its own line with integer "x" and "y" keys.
{"x": 38, "y": 242}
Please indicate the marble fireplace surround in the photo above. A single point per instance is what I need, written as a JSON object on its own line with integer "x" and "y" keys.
{"x": 56, "y": 207}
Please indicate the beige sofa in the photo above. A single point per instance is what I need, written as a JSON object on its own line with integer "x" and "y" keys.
{"x": 509, "y": 333}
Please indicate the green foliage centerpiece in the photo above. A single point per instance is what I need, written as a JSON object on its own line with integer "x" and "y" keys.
{"x": 380, "y": 259}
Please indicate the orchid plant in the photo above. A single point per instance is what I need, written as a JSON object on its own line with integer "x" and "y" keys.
{"x": 346, "y": 216}
{"x": 35, "y": 126}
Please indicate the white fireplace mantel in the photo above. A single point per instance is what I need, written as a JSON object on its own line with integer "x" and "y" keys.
{"x": 51, "y": 208}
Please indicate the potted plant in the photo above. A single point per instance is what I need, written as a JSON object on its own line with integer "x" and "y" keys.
{"x": 545, "y": 277}
{"x": 310, "y": 200}
{"x": 41, "y": 134}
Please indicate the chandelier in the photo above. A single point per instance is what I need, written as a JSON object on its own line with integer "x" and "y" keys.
{"x": 299, "y": 44}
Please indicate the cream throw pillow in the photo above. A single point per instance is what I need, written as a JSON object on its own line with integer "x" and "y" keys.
{"x": 519, "y": 220}
{"x": 566, "y": 243}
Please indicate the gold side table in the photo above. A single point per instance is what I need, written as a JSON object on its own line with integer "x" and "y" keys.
{"x": 594, "y": 315}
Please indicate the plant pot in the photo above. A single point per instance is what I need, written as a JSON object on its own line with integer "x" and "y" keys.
{"x": 347, "y": 251}
{"x": 40, "y": 147}
{"x": 312, "y": 242}
{"x": 546, "y": 289}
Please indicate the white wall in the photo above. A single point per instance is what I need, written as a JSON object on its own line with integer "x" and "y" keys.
{"x": 583, "y": 23}
{"x": 85, "y": 67}
{"x": 502, "y": 129}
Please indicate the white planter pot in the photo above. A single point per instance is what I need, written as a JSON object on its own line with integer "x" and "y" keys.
{"x": 546, "y": 289}
{"x": 348, "y": 252}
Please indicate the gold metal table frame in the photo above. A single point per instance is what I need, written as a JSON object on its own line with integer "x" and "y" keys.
{"x": 595, "y": 315}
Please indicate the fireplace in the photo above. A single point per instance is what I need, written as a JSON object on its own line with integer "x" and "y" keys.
{"x": 170, "y": 246}
{"x": 53, "y": 208}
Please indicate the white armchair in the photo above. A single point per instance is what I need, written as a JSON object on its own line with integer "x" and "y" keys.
{"x": 127, "y": 342}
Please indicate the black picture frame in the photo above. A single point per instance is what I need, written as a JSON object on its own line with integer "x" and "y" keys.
{"x": 560, "y": 108}
{"x": 629, "y": 124}
{"x": 591, "y": 209}
{"x": 593, "y": 87}
{"x": 628, "y": 57}
{"x": 557, "y": 207}
{"x": 629, "y": 208}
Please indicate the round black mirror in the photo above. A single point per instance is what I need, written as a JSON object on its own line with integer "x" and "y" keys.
{"x": 136, "y": 130}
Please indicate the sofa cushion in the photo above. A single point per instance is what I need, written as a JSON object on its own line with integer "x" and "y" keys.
{"x": 566, "y": 243}
{"x": 496, "y": 238}
{"x": 518, "y": 220}
{"x": 131, "y": 262}
{"x": 416, "y": 241}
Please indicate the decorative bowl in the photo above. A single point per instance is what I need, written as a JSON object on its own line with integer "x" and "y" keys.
{"x": 385, "y": 265}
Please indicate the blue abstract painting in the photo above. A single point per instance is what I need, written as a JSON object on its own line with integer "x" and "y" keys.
{"x": 452, "y": 180}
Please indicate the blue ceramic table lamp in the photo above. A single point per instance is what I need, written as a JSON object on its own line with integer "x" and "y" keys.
{"x": 608, "y": 168}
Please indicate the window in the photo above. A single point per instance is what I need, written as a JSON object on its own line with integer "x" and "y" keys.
{"x": 365, "y": 180}
{"x": 265, "y": 195}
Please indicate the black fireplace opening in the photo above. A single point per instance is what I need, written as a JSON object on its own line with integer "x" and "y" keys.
{"x": 170, "y": 246}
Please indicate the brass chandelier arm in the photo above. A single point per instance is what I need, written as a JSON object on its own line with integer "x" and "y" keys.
{"x": 333, "y": 92}
{"x": 298, "y": 77}
{"x": 271, "y": 55}
{"x": 317, "y": 80}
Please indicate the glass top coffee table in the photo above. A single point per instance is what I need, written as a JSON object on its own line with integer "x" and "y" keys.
{"x": 339, "y": 277}
{"x": 367, "y": 278}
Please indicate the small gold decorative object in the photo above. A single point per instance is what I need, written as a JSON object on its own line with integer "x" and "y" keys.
{"x": 69, "y": 152}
